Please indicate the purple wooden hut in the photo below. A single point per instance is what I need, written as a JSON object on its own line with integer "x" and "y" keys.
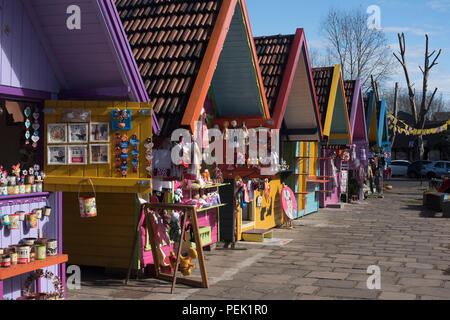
{"x": 54, "y": 49}
{"x": 360, "y": 143}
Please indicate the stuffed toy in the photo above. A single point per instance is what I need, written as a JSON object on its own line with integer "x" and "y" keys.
{"x": 178, "y": 195}
{"x": 206, "y": 176}
{"x": 174, "y": 227}
{"x": 185, "y": 262}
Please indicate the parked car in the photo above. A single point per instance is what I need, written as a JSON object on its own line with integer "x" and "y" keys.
{"x": 415, "y": 168}
{"x": 399, "y": 167}
{"x": 436, "y": 169}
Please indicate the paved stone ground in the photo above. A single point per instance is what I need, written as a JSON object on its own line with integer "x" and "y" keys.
{"x": 327, "y": 259}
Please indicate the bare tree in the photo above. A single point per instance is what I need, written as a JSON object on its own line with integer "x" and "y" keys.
{"x": 361, "y": 51}
{"x": 420, "y": 116}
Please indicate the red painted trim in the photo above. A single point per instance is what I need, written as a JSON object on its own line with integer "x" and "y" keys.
{"x": 255, "y": 59}
{"x": 209, "y": 63}
{"x": 298, "y": 45}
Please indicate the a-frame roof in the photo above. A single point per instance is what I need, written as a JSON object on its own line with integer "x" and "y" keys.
{"x": 372, "y": 118}
{"x": 288, "y": 80}
{"x": 355, "y": 108}
{"x": 185, "y": 47}
{"x": 332, "y": 104}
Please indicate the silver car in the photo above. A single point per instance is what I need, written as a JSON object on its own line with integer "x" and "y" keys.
{"x": 436, "y": 169}
{"x": 399, "y": 167}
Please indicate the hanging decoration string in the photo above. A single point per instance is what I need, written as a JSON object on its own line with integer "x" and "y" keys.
{"x": 400, "y": 127}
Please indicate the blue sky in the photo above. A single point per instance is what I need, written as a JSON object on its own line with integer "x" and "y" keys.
{"x": 414, "y": 17}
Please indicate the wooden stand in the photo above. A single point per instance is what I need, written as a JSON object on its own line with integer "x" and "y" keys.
{"x": 189, "y": 213}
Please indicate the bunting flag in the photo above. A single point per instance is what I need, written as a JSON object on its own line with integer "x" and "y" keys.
{"x": 400, "y": 127}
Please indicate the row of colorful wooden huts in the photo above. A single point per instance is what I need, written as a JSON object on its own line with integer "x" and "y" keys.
{"x": 170, "y": 64}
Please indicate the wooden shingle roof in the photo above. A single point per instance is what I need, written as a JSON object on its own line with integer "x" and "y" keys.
{"x": 349, "y": 87}
{"x": 273, "y": 54}
{"x": 323, "y": 78}
{"x": 169, "y": 39}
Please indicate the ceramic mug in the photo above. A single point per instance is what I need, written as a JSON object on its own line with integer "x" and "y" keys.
{"x": 40, "y": 251}
{"x": 33, "y": 188}
{"x": 31, "y": 221}
{"x": 23, "y": 254}
{"x": 38, "y": 213}
{"x": 38, "y": 187}
{"x": 6, "y": 261}
{"x": 22, "y": 189}
{"x": 52, "y": 247}
{"x": 5, "y": 220}
{"x": 47, "y": 211}
{"x": 14, "y": 222}
{"x": 13, "y": 258}
{"x": 4, "y": 190}
{"x": 11, "y": 190}
{"x": 28, "y": 188}
{"x": 21, "y": 215}
{"x": 29, "y": 241}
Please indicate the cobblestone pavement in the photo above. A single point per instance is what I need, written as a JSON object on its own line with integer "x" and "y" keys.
{"x": 327, "y": 258}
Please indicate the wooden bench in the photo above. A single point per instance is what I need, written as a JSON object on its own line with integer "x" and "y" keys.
{"x": 257, "y": 235}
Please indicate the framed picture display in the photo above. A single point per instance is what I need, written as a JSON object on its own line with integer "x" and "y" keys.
{"x": 57, "y": 133}
{"x": 78, "y": 133}
{"x": 56, "y": 155}
{"x": 99, "y": 132}
{"x": 77, "y": 155}
{"x": 99, "y": 153}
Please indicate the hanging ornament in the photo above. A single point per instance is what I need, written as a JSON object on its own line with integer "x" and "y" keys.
{"x": 135, "y": 152}
{"x": 124, "y": 155}
{"x": 148, "y": 145}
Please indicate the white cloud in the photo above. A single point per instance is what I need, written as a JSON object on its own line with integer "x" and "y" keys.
{"x": 416, "y": 31}
{"x": 440, "y": 5}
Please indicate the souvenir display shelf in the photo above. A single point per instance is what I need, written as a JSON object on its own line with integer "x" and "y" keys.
{"x": 208, "y": 216}
{"x": 12, "y": 278}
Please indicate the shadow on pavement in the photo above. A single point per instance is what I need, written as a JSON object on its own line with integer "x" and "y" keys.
{"x": 424, "y": 212}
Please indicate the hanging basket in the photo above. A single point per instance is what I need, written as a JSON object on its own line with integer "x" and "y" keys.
{"x": 88, "y": 205}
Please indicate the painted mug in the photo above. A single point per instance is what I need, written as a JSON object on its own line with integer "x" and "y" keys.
{"x": 38, "y": 213}
{"x": 38, "y": 187}
{"x": 16, "y": 189}
{"x": 23, "y": 254}
{"x": 5, "y": 220}
{"x": 29, "y": 241}
{"x": 14, "y": 258}
{"x": 31, "y": 221}
{"x": 22, "y": 189}
{"x": 40, "y": 251}
{"x": 28, "y": 188}
{"x": 33, "y": 188}
{"x": 21, "y": 215}
{"x": 47, "y": 211}
{"x": 52, "y": 247}
{"x": 14, "y": 222}
{"x": 4, "y": 190}
{"x": 6, "y": 261}
{"x": 11, "y": 190}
